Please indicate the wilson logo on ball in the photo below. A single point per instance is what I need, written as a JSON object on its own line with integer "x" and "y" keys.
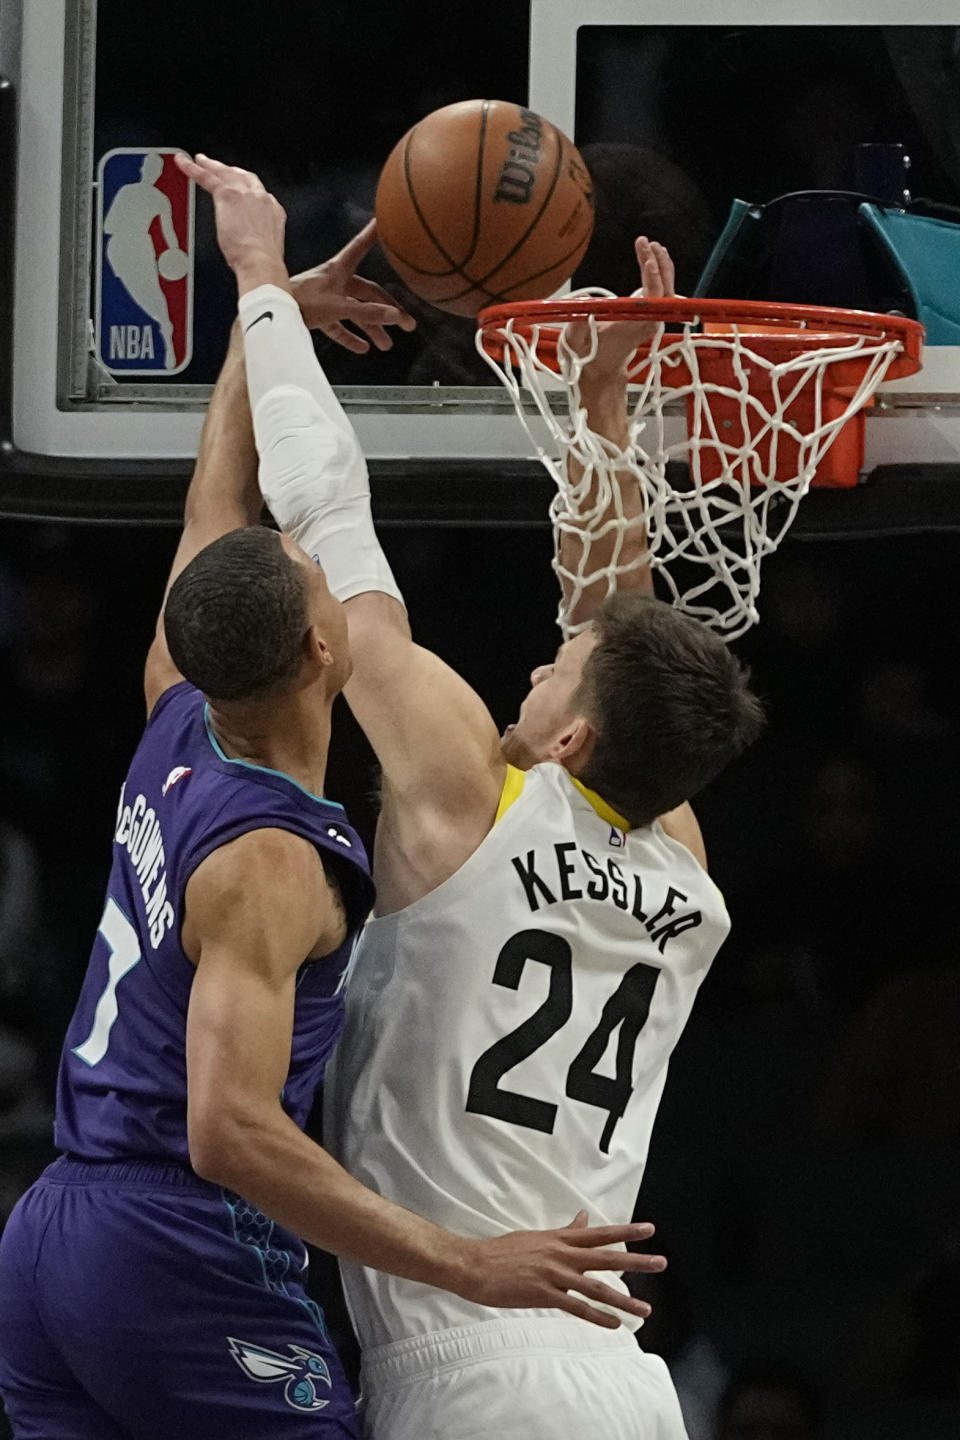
{"x": 518, "y": 175}
{"x": 484, "y": 201}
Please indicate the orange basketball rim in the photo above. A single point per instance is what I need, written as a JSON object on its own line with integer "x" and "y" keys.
{"x": 774, "y": 398}
{"x": 763, "y": 382}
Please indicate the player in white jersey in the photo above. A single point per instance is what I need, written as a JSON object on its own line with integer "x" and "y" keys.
{"x": 540, "y": 936}
{"x": 534, "y": 957}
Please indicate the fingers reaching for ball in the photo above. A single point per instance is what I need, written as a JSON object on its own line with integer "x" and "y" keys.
{"x": 657, "y": 275}
{"x": 331, "y": 293}
{"x": 250, "y": 221}
{"x": 609, "y": 347}
{"x": 250, "y": 231}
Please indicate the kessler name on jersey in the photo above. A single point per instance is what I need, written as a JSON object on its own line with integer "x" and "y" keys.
{"x": 575, "y": 874}
{"x": 138, "y": 831}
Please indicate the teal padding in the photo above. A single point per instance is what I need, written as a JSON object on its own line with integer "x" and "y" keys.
{"x": 927, "y": 254}
{"x": 739, "y": 211}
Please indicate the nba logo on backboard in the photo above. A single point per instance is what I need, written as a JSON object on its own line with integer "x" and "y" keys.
{"x": 144, "y": 307}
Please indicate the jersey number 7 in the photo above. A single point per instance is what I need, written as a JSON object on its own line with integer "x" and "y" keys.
{"x": 628, "y": 1007}
{"x": 124, "y": 948}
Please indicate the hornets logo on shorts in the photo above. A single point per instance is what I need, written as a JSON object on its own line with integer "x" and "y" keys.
{"x": 302, "y": 1375}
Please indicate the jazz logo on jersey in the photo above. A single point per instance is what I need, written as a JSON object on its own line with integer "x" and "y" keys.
{"x": 301, "y": 1375}
{"x": 144, "y": 307}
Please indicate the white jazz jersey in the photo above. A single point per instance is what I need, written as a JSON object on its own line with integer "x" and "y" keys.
{"x": 508, "y": 1035}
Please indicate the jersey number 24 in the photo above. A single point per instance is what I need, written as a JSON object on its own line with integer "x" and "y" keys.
{"x": 628, "y": 1008}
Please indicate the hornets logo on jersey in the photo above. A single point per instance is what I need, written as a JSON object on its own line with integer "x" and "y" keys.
{"x": 301, "y": 1375}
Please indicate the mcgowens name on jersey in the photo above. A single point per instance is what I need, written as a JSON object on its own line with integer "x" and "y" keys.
{"x": 138, "y": 831}
{"x": 570, "y": 873}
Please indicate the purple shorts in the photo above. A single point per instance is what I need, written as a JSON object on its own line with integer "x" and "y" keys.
{"x": 138, "y": 1302}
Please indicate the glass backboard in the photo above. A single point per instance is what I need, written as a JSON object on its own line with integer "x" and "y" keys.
{"x": 676, "y": 120}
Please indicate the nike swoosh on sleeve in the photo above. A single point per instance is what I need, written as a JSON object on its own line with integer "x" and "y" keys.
{"x": 267, "y": 315}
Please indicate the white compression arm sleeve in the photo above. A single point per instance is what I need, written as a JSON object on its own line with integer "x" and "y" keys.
{"x": 312, "y": 472}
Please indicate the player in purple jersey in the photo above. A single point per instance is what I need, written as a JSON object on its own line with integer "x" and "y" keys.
{"x": 151, "y": 1282}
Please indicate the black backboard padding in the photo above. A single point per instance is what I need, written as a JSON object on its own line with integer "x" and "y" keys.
{"x": 405, "y": 492}
{"x": 895, "y": 499}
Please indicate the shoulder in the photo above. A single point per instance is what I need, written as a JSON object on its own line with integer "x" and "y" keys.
{"x": 266, "y": 871}
{"x": 177, "y": 698}
{"x": 267, "y": 886}
{"x": 682, "y": 826}
{"x": 544, "y": 794}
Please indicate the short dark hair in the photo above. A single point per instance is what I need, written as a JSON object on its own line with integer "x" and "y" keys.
{"x": 670, "y": 705}
{"x": 236, "y": 616}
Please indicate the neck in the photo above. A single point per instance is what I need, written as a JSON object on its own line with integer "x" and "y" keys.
{"x": 291, "y": 734}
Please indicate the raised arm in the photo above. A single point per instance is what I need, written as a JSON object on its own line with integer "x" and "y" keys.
{"x": 223, "y": 496}
{"x": 593, "y": 536}
{"x": 255, "y": 909}
{"x": 617, "y": 532}
{"x": 434, "y": 738}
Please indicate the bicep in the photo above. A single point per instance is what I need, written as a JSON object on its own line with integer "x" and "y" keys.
{"x": 255, "y": 909}
{"x": 239, "y": 1031}
{"x": 432, "y": 734}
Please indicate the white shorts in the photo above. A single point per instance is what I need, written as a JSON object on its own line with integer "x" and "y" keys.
{"x": 519, "y": 1380}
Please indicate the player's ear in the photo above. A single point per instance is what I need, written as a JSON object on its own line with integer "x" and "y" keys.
{"x": 316, "y": 648}
{"x": 574, "y": 745}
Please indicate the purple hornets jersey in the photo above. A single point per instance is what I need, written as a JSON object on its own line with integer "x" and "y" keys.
{"x": 122, "y": 1090}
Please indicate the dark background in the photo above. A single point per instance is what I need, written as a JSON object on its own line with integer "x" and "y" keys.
{"x": 805, "y": 1172}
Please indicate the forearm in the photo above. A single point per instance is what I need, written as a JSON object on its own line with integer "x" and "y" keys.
{"x": 604, "y": 398}
{"x": 603, "y": 533}
{"x": 313, "y": 474}
{"x": 223, "y": 493}
{"x": 280, "y": 356}
{"x": 273, "y": 1164}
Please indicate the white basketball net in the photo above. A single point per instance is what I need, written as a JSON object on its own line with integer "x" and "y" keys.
{"x": 733, "y": 510}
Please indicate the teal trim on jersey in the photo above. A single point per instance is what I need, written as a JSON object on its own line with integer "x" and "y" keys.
{"x": 278, "y": 1284}
{"x": 314, "y": 1311}
{"x": 264, "y": 769}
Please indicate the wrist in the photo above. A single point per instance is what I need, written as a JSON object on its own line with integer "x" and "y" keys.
{"x": 454, "y": 1263}
{"x": 609, "y": 385}
{"x": 255, "y": 270}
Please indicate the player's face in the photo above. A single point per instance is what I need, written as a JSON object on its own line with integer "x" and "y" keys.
{"x": 550, "y": 706}
{"x": 326, "y": 614}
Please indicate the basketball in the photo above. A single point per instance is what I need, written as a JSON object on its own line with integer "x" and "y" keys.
{"x": 173, "y": 264}
{"x": 483, "y": 202}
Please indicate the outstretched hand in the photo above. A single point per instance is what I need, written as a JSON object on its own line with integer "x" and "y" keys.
{"x": 619, "y": 340}
{"x": 538, "y": 1269}
{"x": 332, "y": 293}
{"x": 250, "y": 232}
{"x": 250, "y": 221}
